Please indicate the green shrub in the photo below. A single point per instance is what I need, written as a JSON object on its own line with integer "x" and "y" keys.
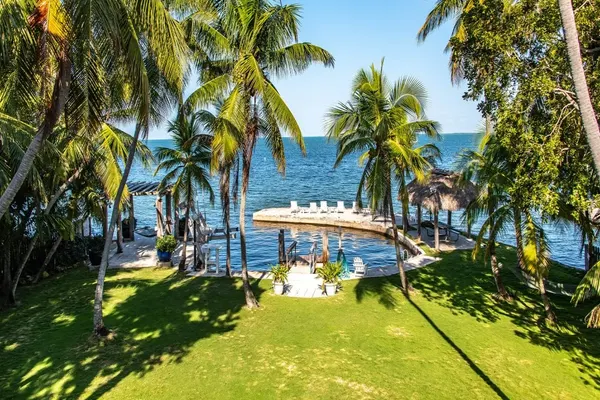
{"x": 279, "y": 273}
{"x": 330, "y": 272}
{"x": 166, "y": 243}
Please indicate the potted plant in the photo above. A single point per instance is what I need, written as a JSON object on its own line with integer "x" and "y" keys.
{"x": 279, "y": 273}
{"x": 330, "y": 273}
{"x": 95, "y": 247}
{"x": 165, "y": 246}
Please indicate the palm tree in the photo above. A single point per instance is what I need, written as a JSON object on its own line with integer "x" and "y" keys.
{"x": 257, "y": 41}
{"x": 588, "y": 115}
{"x": 82, "y": 50}
{"x": 186, "y": 166}
{"x": 381, "y": 121}
{"x": 493, "y": 201}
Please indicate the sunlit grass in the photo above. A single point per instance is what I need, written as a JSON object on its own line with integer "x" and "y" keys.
{"x": 190, "y": 338}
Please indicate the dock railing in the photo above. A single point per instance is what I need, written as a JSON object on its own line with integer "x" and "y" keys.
{"x": 293, "y": 247}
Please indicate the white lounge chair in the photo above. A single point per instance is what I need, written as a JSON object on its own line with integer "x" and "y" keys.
{"x": 340, "y": 208}
{"x": 323, "y": 208}
{"x": 360, "y": 268}
{"x": 313, "y": 208}
{"x": 355, "y": 209}
{"x": 294, "y": 207}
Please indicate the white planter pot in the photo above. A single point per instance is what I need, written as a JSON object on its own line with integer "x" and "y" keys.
{"x": 278, "y": 287}
{"x": 330, "y": 288}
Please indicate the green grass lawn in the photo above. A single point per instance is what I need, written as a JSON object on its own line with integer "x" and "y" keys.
{"x": 190, "y": 338}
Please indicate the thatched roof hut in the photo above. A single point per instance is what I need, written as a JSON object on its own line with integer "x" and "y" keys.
{"x": 441, "y": 191}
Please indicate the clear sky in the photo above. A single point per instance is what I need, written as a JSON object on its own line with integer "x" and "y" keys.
{"x": 361, "y": 32}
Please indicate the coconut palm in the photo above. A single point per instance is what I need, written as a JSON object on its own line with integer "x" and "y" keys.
{"x": 381, "y": 122}
{"x": 493, "y": 202}
{"x": 70, "y": 53}
{"x": 257, "y": 41}
{"x": 186, "y": 167}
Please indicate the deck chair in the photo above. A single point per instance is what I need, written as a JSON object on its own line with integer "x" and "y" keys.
{"x": 355, "y": 209}
{"x": 340, "y": 207}
{"x": 313, "y": 208}
{"x": 360, "y": 268}
{"x": 323, "y": 208}
{"x": 294, "y": 207}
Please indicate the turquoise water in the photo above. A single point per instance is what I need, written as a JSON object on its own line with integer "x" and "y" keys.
{"x": 313, "y": 178}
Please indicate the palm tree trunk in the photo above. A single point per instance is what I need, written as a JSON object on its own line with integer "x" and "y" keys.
{"x": 588, "y": 116}
{"x": 399, "y": 263}
{"x": 186, "y": 221}
{"x": 502, "y": 293}
{"x": 251, "y": 301}
{"x": 48, "y": 258}
{"x": 119, "y": 234}
{"x": 59, "y": 97}
{"x": 436, "y": 230}
{"x": 519, "y": 239}
{"x": 226, "y": 207}
{"x": 550, "y": 316}
{"x": 99, "y": 328}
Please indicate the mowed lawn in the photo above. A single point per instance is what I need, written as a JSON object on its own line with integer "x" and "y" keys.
{"x": 190, "y": 338}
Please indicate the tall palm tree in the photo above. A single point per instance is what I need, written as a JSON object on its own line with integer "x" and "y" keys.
{"x": 381, "y": 122}
{"x": 588, "y": 115}
{"x": 257, "y": 41}
{"x": 58, "y": 54}
{"x": 186, "y": 166}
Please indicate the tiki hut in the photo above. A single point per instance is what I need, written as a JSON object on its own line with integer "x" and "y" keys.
{"x": 441, "y": 191}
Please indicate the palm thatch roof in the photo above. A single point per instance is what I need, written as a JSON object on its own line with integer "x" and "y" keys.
{"x": 442, "y": 191}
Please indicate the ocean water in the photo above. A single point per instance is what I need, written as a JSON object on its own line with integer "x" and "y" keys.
{"x": 313, "y": 178}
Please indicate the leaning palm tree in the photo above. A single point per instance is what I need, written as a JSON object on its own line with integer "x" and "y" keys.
{"x": 257, "y": 41}
{"x": 186, "y": 167}
{"x": 381, "y": 122}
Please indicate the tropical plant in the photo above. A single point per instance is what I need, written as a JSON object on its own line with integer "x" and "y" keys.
{"x": 166, "y": 243}
{"x": 186, "y": 166}
{"x": 492, "y": 177}
{"x": 381, "y": 122}
{"x": 279, "y": 273}
{"x": 589, "y": 287}
{"x": 536, "y": 259}
{"x": 330, "y": 272}
{"x": 255, "y": 42}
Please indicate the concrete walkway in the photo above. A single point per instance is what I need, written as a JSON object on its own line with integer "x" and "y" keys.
{"x": 141, "y": 253}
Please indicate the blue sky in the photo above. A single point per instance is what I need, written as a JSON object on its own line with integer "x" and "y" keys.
{"x": 361, "y": 32}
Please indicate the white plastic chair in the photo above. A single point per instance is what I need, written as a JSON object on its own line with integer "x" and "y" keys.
{"x": 313, "y": 208}
{"x": 340, "y": 207}
{"x": 323, "y": 208}
{"x": 294, "y": 207}
{"x": 355, "y": 209}
{"x": 360, "y": 268}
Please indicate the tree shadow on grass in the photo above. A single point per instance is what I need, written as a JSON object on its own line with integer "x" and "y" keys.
{"x": 467, "y": 286}
{"x": 156, "y": 321}
{"x": 387, "y": 290}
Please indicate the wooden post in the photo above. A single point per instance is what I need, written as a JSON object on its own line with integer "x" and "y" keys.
{"x": 419, "y": 216}
{"x": 325, "y": 255}
{"x": 436, "y": 230}
{"x": 449, "y": 225}
{"x": 168, "y": 207}
{"x": 131, "y": 218}
{"x": 119, "y": 234}
{"x": 281, "y": 247}
{"x": 104, "y": 220}
{"x": 160, "y": 232}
